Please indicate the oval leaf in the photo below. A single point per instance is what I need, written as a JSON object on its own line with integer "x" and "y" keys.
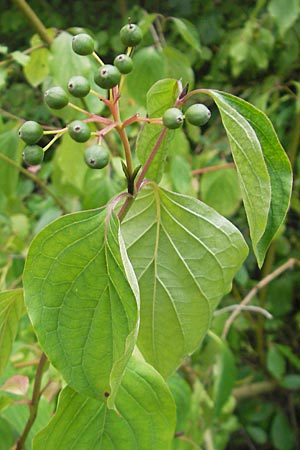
{"x": 145, "y": 418}
{"x": 185, "y": 258}
{"x": 263, "y": 168}
{"x": 79, "y": 299}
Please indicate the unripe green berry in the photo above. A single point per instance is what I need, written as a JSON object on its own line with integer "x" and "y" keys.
{"x": 198, "y": 114}
{"x": 31, "y": 132}
{"x": 123, "y": 63}
{"x": 83, "y": 44}
{"x": 173, "y": 118}
{"x": 56, "y": 97}
{"x": 79, "y": 86}
{"x": 79, "y": 131}
{"x": 33, "y": 155}
{"x": 107, "y": 76}
{"x": 96, "y": 156}
{"x": 131, "y": 35}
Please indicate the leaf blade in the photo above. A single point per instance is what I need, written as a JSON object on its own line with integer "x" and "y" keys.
{"x": 184, "y": 260}
{"x": 80, "y": 302}
{"x": 266, "y": 193}
{"x": 145, "y": 418}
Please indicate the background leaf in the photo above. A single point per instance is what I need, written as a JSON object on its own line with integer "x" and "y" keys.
{"x": 11, "y": 310}
{"x": 145, "y": 418}
{"x": 182, "y": 394}
{"x": 37, "y": 68}
{"x": 80, "y": 301}
{"x": 188, "y": 32}
{"x": 282, "y": 432}
{"x": 263, "y": 168}
{"x": 184, "y": 255}
{"x": 220, "y": 189}
{"x": 10, "y": 146}
{"x": 149, "y": 67}
{"x": 17, "y": 416}
{"x": 225, "y": 374}
{"x": 283, "y": 16}
{"x": 68, "y": 160}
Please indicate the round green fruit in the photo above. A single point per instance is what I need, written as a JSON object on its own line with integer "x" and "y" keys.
{"x": 131, "y": 35}
{"x": 107, "y": 76}
{"x": 96, "y": 156}
{"x": 31, "y": 132}
{"x": 56, "y": 97}
{"x": 79, "y": 131}
{"x": 83, "y": 44}
{"x": 198, "y": 114}
{"x": 123, "y": 63}
{"x": 79, "y": 86}
{"x": 173, "y": 118}
{"x": 33, "y": 155}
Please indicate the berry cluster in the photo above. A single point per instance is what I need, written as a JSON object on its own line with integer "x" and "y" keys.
{"x": 109, "y": 77}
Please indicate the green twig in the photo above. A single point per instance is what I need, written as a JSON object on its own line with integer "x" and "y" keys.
{"x": 34, "y": 21}
{"x": 254, "y": 389}
{"x": 35, "y": 179}
{"x": 264, "y": 282}
{"x": 34, "y": 404}
{"x": 212, "y": 168}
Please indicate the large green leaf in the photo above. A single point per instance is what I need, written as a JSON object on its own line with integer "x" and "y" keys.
{"x": 11, "y": 311}
{"x": 145, "y": 417}
{"x": 82, "y": 296}
{"x": 184, "y": 255}
{"x": 160, "y": 97}
{"x": 263, "y": 168}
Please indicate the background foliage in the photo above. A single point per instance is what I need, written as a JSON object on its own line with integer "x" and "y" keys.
{"x": 241, "y": 388}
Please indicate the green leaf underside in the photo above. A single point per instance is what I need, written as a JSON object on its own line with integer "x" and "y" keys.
{"x": 79, "y": 299}
{"x": 11, "y": 310}
{"x": 145, "y": 417}
{"x": 160, "y": 97}
{"x": 185, "y": 259}
{"x": 263, "y": 167}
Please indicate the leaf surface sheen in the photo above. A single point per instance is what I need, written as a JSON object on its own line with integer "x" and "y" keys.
{"x": 185, "y": 259}
{"x": 145, "y": 417}
{"x": 262, "y": 165}
{"x": 81, "y": 304}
